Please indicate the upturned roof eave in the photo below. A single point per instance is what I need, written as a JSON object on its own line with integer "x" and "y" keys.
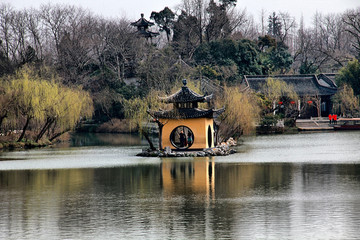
{"x": 185, "y": 95}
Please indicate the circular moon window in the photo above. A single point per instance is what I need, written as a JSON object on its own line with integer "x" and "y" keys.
{"x": 182, "y": 137}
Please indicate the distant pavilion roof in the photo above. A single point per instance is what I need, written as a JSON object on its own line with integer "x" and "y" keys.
{"x": 142, "y": 22}
{"x": 142, "y": 26}
{"x": 185, "y": 95}
{"x": 304, "y": 84}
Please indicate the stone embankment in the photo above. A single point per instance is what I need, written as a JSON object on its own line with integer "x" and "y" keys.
{"x": 223, "y": 149}
{"x": 313, "y": 124}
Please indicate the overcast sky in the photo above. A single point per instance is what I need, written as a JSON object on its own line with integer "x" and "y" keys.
{"x": 132, "y": 9}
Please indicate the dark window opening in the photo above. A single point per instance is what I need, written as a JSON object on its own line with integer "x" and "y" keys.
{"x": 209, "y": 137}
{"x": 186, "y": 105}
{"x": 182, "y": 137}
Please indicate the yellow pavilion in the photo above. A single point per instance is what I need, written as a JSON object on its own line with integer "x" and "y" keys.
{"x": 186, "y": 127}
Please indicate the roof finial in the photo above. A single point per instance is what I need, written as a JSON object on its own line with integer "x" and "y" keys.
{"x": 184, "y": 82}
{"x": 142, "y": 15}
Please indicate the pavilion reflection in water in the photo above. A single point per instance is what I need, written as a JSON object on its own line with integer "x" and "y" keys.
{"x": 197, "y": 177}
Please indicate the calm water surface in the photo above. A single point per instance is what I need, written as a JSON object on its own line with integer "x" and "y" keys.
{"x": 300, "y": 186}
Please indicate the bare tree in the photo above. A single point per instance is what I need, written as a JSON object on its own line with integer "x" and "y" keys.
{"x": 19, "y": 33}
{"x": 122, "y": 47}
{"x": 242, "y": 24}
{"x": 6, "y": 17}
{"x": 35, "y": 31}
{"x": 323, "y": 47}
{"x": 352, "y": 20}
{"x": 288, "y": 24}
{"x": 54, "y": 18}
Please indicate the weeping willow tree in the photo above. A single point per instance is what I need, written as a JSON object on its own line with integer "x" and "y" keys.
{"x": 137, "y": 111}
{"x": 7, "y": 101}
{"x": 240, "y": 115}
{"x": 29, "y": 93}
{"x": 345, "y": 102}
{"x": 279, "y": 96}
{"x": 275, "y": 89}
{"x": 45, "y": 103}
{"x": 68, "y": 107}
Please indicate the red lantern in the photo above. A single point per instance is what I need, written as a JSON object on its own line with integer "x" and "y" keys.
{"x": 292, "y": 102}
{"x": 309, "y": 102}
{"x": 280, "y": 103}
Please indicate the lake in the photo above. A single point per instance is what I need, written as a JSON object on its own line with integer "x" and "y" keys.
{"x": 296, "y": 186}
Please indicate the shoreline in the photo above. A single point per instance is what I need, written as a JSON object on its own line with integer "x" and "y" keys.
{"x": 10, "y": 145}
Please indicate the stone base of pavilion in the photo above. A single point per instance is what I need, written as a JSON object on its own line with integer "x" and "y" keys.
{"x": 223, "y": 149}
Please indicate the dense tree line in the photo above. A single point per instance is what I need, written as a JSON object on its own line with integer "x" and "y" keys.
{"x": 199, "y": 38}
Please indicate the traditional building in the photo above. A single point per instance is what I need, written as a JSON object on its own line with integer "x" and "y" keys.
{"x": 307, "y": 87}
{"x": 143, "y": 27}
{"x": 186, "y": 126}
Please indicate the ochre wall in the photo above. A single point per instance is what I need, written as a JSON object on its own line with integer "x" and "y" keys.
{"x": 199, "y": 127}
{"x": 193, "y": 177}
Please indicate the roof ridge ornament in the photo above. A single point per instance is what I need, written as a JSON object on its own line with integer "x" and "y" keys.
{"x": 184, "y": 82}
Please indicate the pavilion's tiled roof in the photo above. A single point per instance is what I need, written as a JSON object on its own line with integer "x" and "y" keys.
{"x": 185, "y": 95}
{"x": 185, "y": 113}
{"x": 304, "y": 85}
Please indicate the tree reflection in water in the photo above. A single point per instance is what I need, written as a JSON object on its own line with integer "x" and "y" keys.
{"x": 183, "y": 198}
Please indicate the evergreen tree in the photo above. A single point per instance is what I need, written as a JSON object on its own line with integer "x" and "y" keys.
{"x": 165, "y": 20}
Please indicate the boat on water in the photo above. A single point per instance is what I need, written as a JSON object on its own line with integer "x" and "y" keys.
{"x": 347, "y": 124}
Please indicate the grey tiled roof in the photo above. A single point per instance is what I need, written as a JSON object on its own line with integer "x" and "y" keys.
{"x": 184, "y": 113}
{"x": 304, "y": 85}
{"x": 184, "y": 95}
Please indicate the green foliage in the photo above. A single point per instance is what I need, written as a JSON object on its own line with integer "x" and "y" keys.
{"x": 274, "y": 26}
{"x": 350, "y": 75}
{"x": 165, "y": 20}
{"x": 277, "y": 60}
{"x": 224, "y": 50}
{"x": 264, "y": 103}
{"x": 307, "y": 68}
{"x": 266, "y": 42}
{"x": 228, "y": 3}
{"x": 230, "y": 58}
{"x": 128, "y": 91}
{"x": 275, "y": 57}
{"x": 248, "y": 59}
{"x": 345, "y": 102}
{"x": 208, "y": 71}
{"x": 269, "y": 120}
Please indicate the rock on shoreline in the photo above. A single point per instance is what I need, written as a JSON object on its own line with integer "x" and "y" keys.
{"x": 221, "y": 150}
